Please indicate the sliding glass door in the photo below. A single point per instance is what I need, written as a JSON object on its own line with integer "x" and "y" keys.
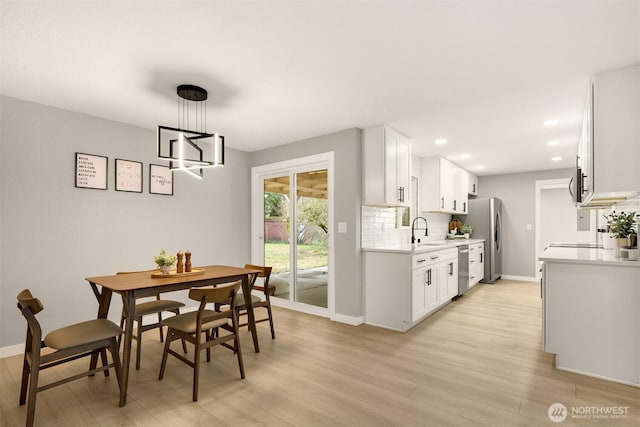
{"x": 294, "y": 231}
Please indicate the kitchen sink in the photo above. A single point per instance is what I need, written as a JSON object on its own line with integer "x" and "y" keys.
{"x": 434, "y": 243}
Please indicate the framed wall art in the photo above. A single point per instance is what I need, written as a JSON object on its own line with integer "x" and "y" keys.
{"x": 160, "y": 180}
{"x": 91, "y": 171}
{"x": 128, "y": 176}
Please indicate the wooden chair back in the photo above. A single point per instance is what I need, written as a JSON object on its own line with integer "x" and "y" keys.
{"x": 265, "y": 274}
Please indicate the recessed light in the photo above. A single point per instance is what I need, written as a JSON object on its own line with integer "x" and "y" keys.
{"x": 556, "y": 159}
{"x": 553, "y": 142}
{"x": 441, "y": 141}
{"x": 479, "y": 167}
{"x": 551, "y": 122}
{"x": 464, "y": 156}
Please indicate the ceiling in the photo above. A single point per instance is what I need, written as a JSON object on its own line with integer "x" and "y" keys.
{"x": 485, "y": 75}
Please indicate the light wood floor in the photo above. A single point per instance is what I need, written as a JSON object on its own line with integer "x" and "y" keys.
{"x": 475, "y": 362}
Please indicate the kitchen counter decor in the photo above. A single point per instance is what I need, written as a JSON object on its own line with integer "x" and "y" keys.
{"x": 164, "y": 261}
{"x": 623, "y": 227}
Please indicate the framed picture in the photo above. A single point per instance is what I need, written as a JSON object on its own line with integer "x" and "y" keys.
{"x": 91, "y": 171}
{"x": 160, "y": 180}
{"x": 128, "y": 176}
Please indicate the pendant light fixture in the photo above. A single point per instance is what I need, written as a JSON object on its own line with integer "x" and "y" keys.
{"x": 187, "y": 150}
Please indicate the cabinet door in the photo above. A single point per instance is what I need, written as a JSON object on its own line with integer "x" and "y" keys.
{"x": 418, "y": 294}
{"x": 403, "y": 170}
{"x": 472, "y": 184}
{"x": 431, "y": 288}
{"x": 448, "y": 186}
{"x": 391, "y": 192}
{"x": 452, "y": 278}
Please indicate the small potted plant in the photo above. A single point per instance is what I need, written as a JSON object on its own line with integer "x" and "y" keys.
{"x": 622, "y": 226}
{"x": 466, "y": 230}
{"x": 164, "y": 261}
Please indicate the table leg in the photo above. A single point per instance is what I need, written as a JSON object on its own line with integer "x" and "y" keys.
{"x": 129, "y": 302}
{"x": 246, "y": 291}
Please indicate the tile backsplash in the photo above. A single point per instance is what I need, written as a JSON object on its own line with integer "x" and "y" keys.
{"x": 379, "y": 228}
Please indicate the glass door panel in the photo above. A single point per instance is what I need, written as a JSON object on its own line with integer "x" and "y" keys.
{"x": 311, "y": 237}
{"x": 277, "y": 249}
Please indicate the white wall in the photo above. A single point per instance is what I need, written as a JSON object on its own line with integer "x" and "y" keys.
{"x": 53, "y": 235}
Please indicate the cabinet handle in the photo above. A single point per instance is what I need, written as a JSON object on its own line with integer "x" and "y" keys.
{"x": 421, "y": 260}
{"x": 481, "y": 254}
{"x": 451, "y": 269}
{"x": 433, "y": 258}
{"x": 471, "y": 262}
{"x": 464, "y": 206}
{"x": 454, "y": 205}
{"x": 442, "y": 203}
{"x": 429, "y": 277}
{"x": 401, "y": 194}
{"x": 474, "y": 188}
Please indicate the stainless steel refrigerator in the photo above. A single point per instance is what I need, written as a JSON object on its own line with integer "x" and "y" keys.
{"x": 485, "y": 216}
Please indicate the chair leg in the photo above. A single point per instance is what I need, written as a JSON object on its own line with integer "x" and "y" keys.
{"x": 33, "y": 389}
{"x": 196, "y": 367}
{"x": 139, "y": 342}
{"x": 273, "y": 331}
{"x": 160, "y": 327}
{"x": 208, "y": 337}
{"x": 239, "y": 354}
{"x": 105, "y": 362}
{"x": 26, "y": 373}
{"x": 165, "y": 353}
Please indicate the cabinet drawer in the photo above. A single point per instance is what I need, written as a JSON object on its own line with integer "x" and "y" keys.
{"x": 427, "y": 258}
{"x": 476, "y": 247}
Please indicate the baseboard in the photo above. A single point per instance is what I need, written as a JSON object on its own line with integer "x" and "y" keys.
{"x": 349, "y": 320}
{"x": 12, "y": 350}
{"x": 520, "y": 278}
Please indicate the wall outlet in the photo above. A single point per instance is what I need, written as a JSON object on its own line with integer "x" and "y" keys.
{"x": 342, "y": 227}
{"x": 529, "y": 227}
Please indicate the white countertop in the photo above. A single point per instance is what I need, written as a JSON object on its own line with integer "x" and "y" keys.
{"x": 424, "y": 246}
{"x": 586, "y": 256}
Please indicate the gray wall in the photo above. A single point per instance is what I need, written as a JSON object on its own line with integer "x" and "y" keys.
{"x": 347, "y": 190}
{"x": 518, "y": 195}
{"x": 53, "y": 235}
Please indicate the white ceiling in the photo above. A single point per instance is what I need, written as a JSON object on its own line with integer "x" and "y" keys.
{"x": 482, "y": 74}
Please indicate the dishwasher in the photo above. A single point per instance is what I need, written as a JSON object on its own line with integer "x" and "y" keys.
{"x": 463, "y": 269}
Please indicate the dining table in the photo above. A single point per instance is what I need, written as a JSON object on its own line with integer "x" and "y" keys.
{"x": 147, "y": 283}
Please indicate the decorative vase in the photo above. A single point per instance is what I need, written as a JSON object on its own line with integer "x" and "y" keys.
{"x": 622, "y": 242}
{"x": 165, "y": 269}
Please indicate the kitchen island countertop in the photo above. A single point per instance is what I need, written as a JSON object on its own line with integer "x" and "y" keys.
{"x": 586, "y": 256}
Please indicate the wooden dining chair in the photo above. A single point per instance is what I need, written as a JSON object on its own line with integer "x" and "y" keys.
{"x": 155, "y": 306}
{"x": 69, "y": 343}
{"x": 218, "y": 327}
{"x": 259, "y": 301}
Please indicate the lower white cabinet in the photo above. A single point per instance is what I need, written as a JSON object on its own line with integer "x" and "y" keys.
{"x": 402, "y": 289}
{"x": 476, "y": 263}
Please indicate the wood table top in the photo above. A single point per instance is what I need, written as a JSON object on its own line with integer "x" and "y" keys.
{"x": 143, "y": 279}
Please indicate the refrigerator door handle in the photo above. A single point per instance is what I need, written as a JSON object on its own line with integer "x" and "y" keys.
{"x": 498, "y": 232}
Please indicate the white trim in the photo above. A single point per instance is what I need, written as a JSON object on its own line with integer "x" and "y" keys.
{"x": 12, "y": 350}
{"x": 349, "y": 320}
{"x": 519, "y": 278}
{"x": 323, "y": 160}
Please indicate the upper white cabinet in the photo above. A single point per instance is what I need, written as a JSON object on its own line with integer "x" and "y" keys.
{"x": 472, "y": 183}
{"x": 608, "y": 158}
{"x": 444, "y": 186}
{"x": 386, "y": 168}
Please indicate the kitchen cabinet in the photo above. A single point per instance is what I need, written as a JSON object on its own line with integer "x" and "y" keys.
{"x": 447, "y": 276}
{"x": 590, "y": 316}
{"x": 424, "y": 284}
{"x": 608, "y": 157}
{"x": 444, "y": 187}
{"x": 402, "y": 289}
{"x": 472, "y": 183}
{"x": 476, "y": 263}
{"x": 386, "y": 167}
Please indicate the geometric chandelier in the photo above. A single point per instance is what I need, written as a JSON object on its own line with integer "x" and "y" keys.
{"x": 186, "y": 150}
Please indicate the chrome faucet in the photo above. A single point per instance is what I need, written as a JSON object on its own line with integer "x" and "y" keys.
{"x": 413, "y": 228}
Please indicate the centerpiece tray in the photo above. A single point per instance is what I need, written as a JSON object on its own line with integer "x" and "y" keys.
{"x": 157, "y": 274}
